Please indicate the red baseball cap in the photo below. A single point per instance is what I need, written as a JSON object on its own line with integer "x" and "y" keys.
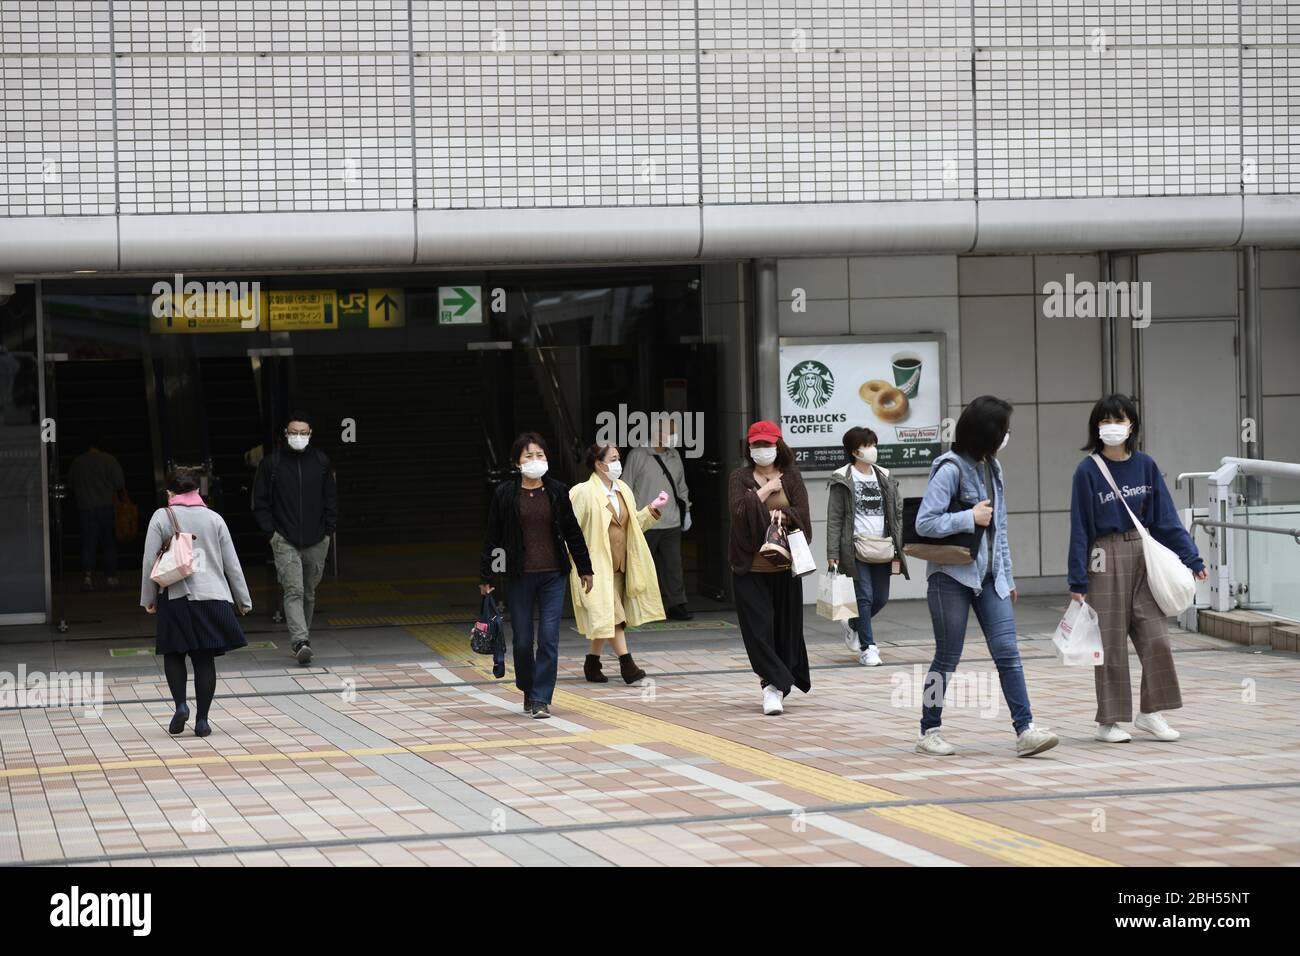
{"x": 763, "y": 431}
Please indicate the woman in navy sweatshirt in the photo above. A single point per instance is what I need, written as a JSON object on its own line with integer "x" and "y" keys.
{"x": 1107, "y": 569}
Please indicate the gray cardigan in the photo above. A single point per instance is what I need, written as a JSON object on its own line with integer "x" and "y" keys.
{"x": 217, "y": 574}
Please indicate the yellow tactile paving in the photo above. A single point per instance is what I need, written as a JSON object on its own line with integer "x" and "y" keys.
{"x": 617, "y": 736}
{"x": 997, "y": 841}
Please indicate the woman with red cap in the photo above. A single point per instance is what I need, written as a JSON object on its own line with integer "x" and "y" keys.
{"x": 769, "y": 601}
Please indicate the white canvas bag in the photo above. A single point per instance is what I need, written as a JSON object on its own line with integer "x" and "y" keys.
{"x": 1171, "y": 581}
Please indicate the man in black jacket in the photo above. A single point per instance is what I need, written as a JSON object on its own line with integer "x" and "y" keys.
{"x": 296, "y": 503}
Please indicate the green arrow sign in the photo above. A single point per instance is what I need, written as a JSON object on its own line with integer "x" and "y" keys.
{"x": 460, "y": 305}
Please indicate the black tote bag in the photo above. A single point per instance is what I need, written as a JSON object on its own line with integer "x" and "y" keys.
{"x": 959, "y": 548}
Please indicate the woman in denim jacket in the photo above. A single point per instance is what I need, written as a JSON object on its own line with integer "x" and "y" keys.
{"x": 972, "y": 475}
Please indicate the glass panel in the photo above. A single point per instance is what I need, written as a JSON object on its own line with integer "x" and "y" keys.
{"x": 1268, "y": 563}
{"x": 22, "y": 506}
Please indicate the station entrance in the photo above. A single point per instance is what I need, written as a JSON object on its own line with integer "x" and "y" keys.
{"x": 416, "y": 409}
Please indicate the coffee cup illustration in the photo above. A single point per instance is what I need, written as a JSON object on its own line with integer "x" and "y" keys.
{"x": 907, "y": 372}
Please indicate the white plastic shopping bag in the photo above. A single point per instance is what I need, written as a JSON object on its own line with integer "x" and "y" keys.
{"x": 1078, "y": 637}
{"x": 836, "y": 599}
{"x": 801, "y": 557}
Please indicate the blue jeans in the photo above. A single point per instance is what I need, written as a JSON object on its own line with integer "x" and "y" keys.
{"x": 950, "y": 605}
{"x": 871, "y": 587}
{"x": 96, "y": 530}
{"x": 540, "y": 593}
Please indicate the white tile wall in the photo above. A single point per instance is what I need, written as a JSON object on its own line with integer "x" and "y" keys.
{"x": 260, "y": 105}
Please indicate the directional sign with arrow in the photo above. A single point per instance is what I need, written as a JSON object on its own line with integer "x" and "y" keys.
{"x": 387, "y": 308}
{"x": 460, "y": 305}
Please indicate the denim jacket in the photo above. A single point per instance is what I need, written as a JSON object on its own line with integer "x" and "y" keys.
{"x": 934, "y": 521}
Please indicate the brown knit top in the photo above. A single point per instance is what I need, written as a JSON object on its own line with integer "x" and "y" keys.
{"x": 750, "y": 518}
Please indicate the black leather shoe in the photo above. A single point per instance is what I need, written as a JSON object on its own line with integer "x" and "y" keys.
{"x": 201, "y": 728}
{"x": 680, "y": 613}
{"x": 177, "y": 726}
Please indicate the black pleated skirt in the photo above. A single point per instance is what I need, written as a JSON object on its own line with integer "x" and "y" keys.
{"x": 185, "y": 625}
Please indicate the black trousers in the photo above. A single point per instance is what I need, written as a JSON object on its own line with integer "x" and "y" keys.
{"x": 666, "y": 549}
{"x": 769, "y": 606}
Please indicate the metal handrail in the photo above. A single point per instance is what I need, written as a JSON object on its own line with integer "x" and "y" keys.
{"x": 1237, "y": 526}
{"x": 1191, "y": 490}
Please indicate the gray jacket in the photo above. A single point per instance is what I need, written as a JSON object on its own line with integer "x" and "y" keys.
{"x": 646, "y": 479}
{"x": 217, "y": 575}
{"x": 839, "y": 516}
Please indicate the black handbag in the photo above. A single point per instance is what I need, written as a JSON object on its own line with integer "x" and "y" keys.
{"x": 961, "y": 548}
{"x": 487, "y": 636}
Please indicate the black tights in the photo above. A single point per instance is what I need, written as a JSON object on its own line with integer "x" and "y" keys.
{"x": 205, "y": 679}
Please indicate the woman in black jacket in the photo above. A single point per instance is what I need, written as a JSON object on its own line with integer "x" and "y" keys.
{"x": 531, "y": 535}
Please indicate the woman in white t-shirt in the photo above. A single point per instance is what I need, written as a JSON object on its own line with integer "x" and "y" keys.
{"x": 864, "y": 535}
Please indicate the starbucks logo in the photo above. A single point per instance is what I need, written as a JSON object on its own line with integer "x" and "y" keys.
{"x": 810, "y": 385}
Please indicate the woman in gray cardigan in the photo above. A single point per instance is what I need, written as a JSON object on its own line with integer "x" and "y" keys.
{"x": 196, "y": 615}
{"x": 864, "y": 536}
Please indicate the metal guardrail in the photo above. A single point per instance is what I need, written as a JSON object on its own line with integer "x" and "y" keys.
{"x": 1266, "y": 529}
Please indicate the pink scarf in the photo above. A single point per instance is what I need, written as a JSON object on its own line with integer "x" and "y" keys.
{"x": 188, "y": 498}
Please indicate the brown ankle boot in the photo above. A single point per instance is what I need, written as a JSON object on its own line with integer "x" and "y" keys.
{"x": 627, "y": 667}
{"x": 591, "y": 670}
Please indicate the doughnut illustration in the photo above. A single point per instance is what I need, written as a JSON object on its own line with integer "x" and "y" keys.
{"x": 871, "y": 389}
{"x": 890, "y": 404}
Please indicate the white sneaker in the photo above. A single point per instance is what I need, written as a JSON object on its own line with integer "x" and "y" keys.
{"x": 1034, "y": 740}
{"x": 933, "y": 744}
{"x": 1112, "y": 734}
{"x": 772, "y": 698}
{"x": 1156, "y": 726}
{"x": 850, "y": 637}
{"x": 870, "y": 657}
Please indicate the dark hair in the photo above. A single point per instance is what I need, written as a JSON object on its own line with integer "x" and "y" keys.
{"x": 982, "y": 427}
{"x": 523, "y": 441}
{"x": 595, "y": 452}
{"x": 856, "y": 437}
{"x": 181, "y": 480}
{"x": 1113, "y": 406}
{"x": 784, "y": 456}
{"x": 298, "y": 415}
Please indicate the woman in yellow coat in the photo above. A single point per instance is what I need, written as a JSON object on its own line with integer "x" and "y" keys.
{"x": 626, "y": 588}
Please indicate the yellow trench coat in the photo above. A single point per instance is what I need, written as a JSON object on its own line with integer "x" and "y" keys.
{"x": 594, "y": 612}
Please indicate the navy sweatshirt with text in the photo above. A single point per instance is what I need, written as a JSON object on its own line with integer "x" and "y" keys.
{"x": 1096, "y": 512}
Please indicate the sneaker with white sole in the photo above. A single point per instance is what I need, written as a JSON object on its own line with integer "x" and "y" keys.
{"x": 772, "y": 698}
{"x": 1034, "y": 740}
{"x": 932, "y": 743}
{"x": 870, "y": 656}
{"x": 850, "y": 637}
{"x": 1156, "y": 726}
{"x": 1112, "y": 734}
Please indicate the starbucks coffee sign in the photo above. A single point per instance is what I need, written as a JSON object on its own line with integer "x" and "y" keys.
{"x": 892, "y": 386}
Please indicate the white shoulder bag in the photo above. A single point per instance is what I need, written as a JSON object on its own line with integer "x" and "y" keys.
{"x": 1171, "y": 581}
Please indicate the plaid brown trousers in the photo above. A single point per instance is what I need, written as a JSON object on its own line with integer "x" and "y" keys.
{"x": 1126, "y": 608}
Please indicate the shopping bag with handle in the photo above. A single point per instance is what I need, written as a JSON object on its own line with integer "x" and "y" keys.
{"x": 836, "y": 599}
{"x": 1078, "y": 637}
{"x": 802, "y": 561}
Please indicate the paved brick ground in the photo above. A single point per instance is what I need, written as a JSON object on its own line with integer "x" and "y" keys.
{"x": 401, "y": 749}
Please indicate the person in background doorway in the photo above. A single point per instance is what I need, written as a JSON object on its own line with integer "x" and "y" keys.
{"x": 533, "y": 538}
{"x": 626, "y": 591}
{"x": 969, "y": 476}
{"x": 769, "y": 602}
{"x": 95, "y": 480}
{"x": 296, "y": 504}
{"x": 1106, "y": 565}
{"x": 648, "y": 470}
{"x": 864, "y": 536}
{"x": 196, "y": 615}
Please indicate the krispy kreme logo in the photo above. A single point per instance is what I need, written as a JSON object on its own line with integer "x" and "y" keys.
{"x": 927, "y": 435}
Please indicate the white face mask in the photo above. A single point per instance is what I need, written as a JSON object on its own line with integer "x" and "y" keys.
{"x": 298, "y": 442}
{"x": 615, "y": 469}
{"x": 1005, "y": 438}
{"x": 867, "y": 455}
{"x": 1113, "y": 434}
{"x": 671, "y": 440}
{"x": 534, "y": 468}
{"x": 763, "y": 456}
